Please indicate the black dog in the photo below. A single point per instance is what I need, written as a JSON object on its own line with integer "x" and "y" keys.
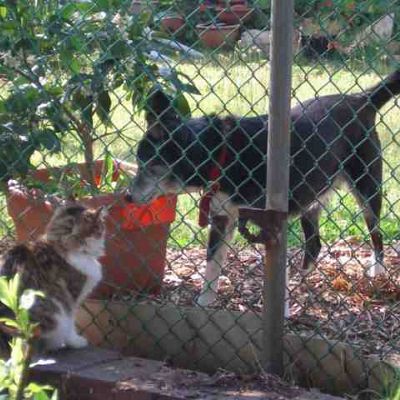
{"x": 333, "y": 141}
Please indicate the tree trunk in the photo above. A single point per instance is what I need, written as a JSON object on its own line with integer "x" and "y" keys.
{"x": 88, "y": 143}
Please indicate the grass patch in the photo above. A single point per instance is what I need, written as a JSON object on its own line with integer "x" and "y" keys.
{"x": 229, "y": 85}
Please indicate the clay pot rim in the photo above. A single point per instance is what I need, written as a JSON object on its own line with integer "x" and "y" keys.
{"x": 235, "y": 7}
{"x": 176, "y": 18}
{"x": 145, "y": 2}
{"x": 213, "y": 27}
{"x": 180, "y": 17}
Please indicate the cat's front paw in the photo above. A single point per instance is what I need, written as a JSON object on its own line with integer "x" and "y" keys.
{"x": 77, "y": 342}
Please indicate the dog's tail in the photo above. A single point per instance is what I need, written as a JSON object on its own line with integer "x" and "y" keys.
{"x": 385, "y": 90}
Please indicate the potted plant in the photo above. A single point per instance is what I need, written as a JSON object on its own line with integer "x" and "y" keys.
{"x": 216, "y": 34}
{"x": 136, "y": 235}
{"x": 170, "y": 21}
{"x": 213, "y": 32}
{"x": 234, "y": 12}
{"x": 57, "y": 95}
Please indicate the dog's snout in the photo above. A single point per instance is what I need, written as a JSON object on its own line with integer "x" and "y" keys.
{"x": 128, "y": 197}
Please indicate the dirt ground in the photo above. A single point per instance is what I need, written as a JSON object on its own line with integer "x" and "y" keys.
{"x": 337, "y": 300}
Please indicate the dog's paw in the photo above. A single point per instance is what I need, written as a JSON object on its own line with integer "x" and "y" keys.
{"x": 307, "y": 268}
{"x": 375, "y": 267}
{"x": 206, "y": 298}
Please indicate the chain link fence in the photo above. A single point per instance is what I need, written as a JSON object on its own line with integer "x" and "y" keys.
{"x": 99, "y": 97}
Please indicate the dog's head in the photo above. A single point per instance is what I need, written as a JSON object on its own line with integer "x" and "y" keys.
{"x": 166, "y": 154}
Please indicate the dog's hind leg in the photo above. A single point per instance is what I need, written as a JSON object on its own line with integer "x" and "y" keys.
{"x": 367, "y": 188}
{"x": 372, "y": 208}
{"x": 221, "y": 232}
{"x": 310, "y": 226}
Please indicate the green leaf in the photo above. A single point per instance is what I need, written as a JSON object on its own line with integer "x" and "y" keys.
{"x": 138, "y": 99}
{"x": 55, "y": 115}
{"x": 118, "y": 81}
{"x": 13, "y": 286}
{"x": 145, "y": 18}
{"x": 9, "y": 27}
{"x": 3, "y": 12}
{"x": 77, "y": 43}
{"x": 69, "y": 60}
{"x": 4, "y": 296}
{"x": 120, "y": 49}
{"x": 75, "y": 66}
{"x": 49, "y": 140}
{"x": 103, "y": 107}
{"x": 108, "y": 170}
{"x": 68, "y": 10}
{"x": 103, "y": 5}
{"x": 181, "y": 105}
{"x": 22, "y": 319}
{"x": 23, "y": 100}
{"x": 189, "y": 88}
{"x": 54, "y": 90}
{"x": 181, "y": 86}
{"x": 16, "y": 350}
{"x": 160, "y": 34}
{"x": 9, "y": 322}
{"x": 36, "y": 388}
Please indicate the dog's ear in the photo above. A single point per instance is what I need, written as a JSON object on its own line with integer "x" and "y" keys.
{"x": 229, "y": 124}
{"x": 159, "y": 111}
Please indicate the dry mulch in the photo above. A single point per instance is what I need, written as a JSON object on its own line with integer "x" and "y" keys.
{"x": 336, "y": 301}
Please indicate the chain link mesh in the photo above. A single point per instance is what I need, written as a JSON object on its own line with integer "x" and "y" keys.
{"x": 75, "y": 78}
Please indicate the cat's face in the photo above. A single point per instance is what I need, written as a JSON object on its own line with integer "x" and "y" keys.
{"x": 76, "y": 227}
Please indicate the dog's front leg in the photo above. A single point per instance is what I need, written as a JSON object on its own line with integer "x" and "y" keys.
{"x": 221, "y": 232}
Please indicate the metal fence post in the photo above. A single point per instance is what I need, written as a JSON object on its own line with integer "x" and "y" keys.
{"x": 278, "y": 182}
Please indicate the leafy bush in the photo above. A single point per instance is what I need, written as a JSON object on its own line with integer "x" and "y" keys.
{"x": 61, "y": 64}
{"x": 14, "y": 383}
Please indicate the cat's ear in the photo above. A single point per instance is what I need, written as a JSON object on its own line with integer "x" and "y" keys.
{"x": 101, "y": 213}
{"x": 69, "y": 201}
{"x": 55, "y": 201}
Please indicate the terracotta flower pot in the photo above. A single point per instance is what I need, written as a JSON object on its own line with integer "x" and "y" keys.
{"x": 235, "y": 14}
{"x": 217, "y": 35}
{"x": 136, "y": 238}
{"x": 172, "y": 23}
{"x": 236, "y": 2}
